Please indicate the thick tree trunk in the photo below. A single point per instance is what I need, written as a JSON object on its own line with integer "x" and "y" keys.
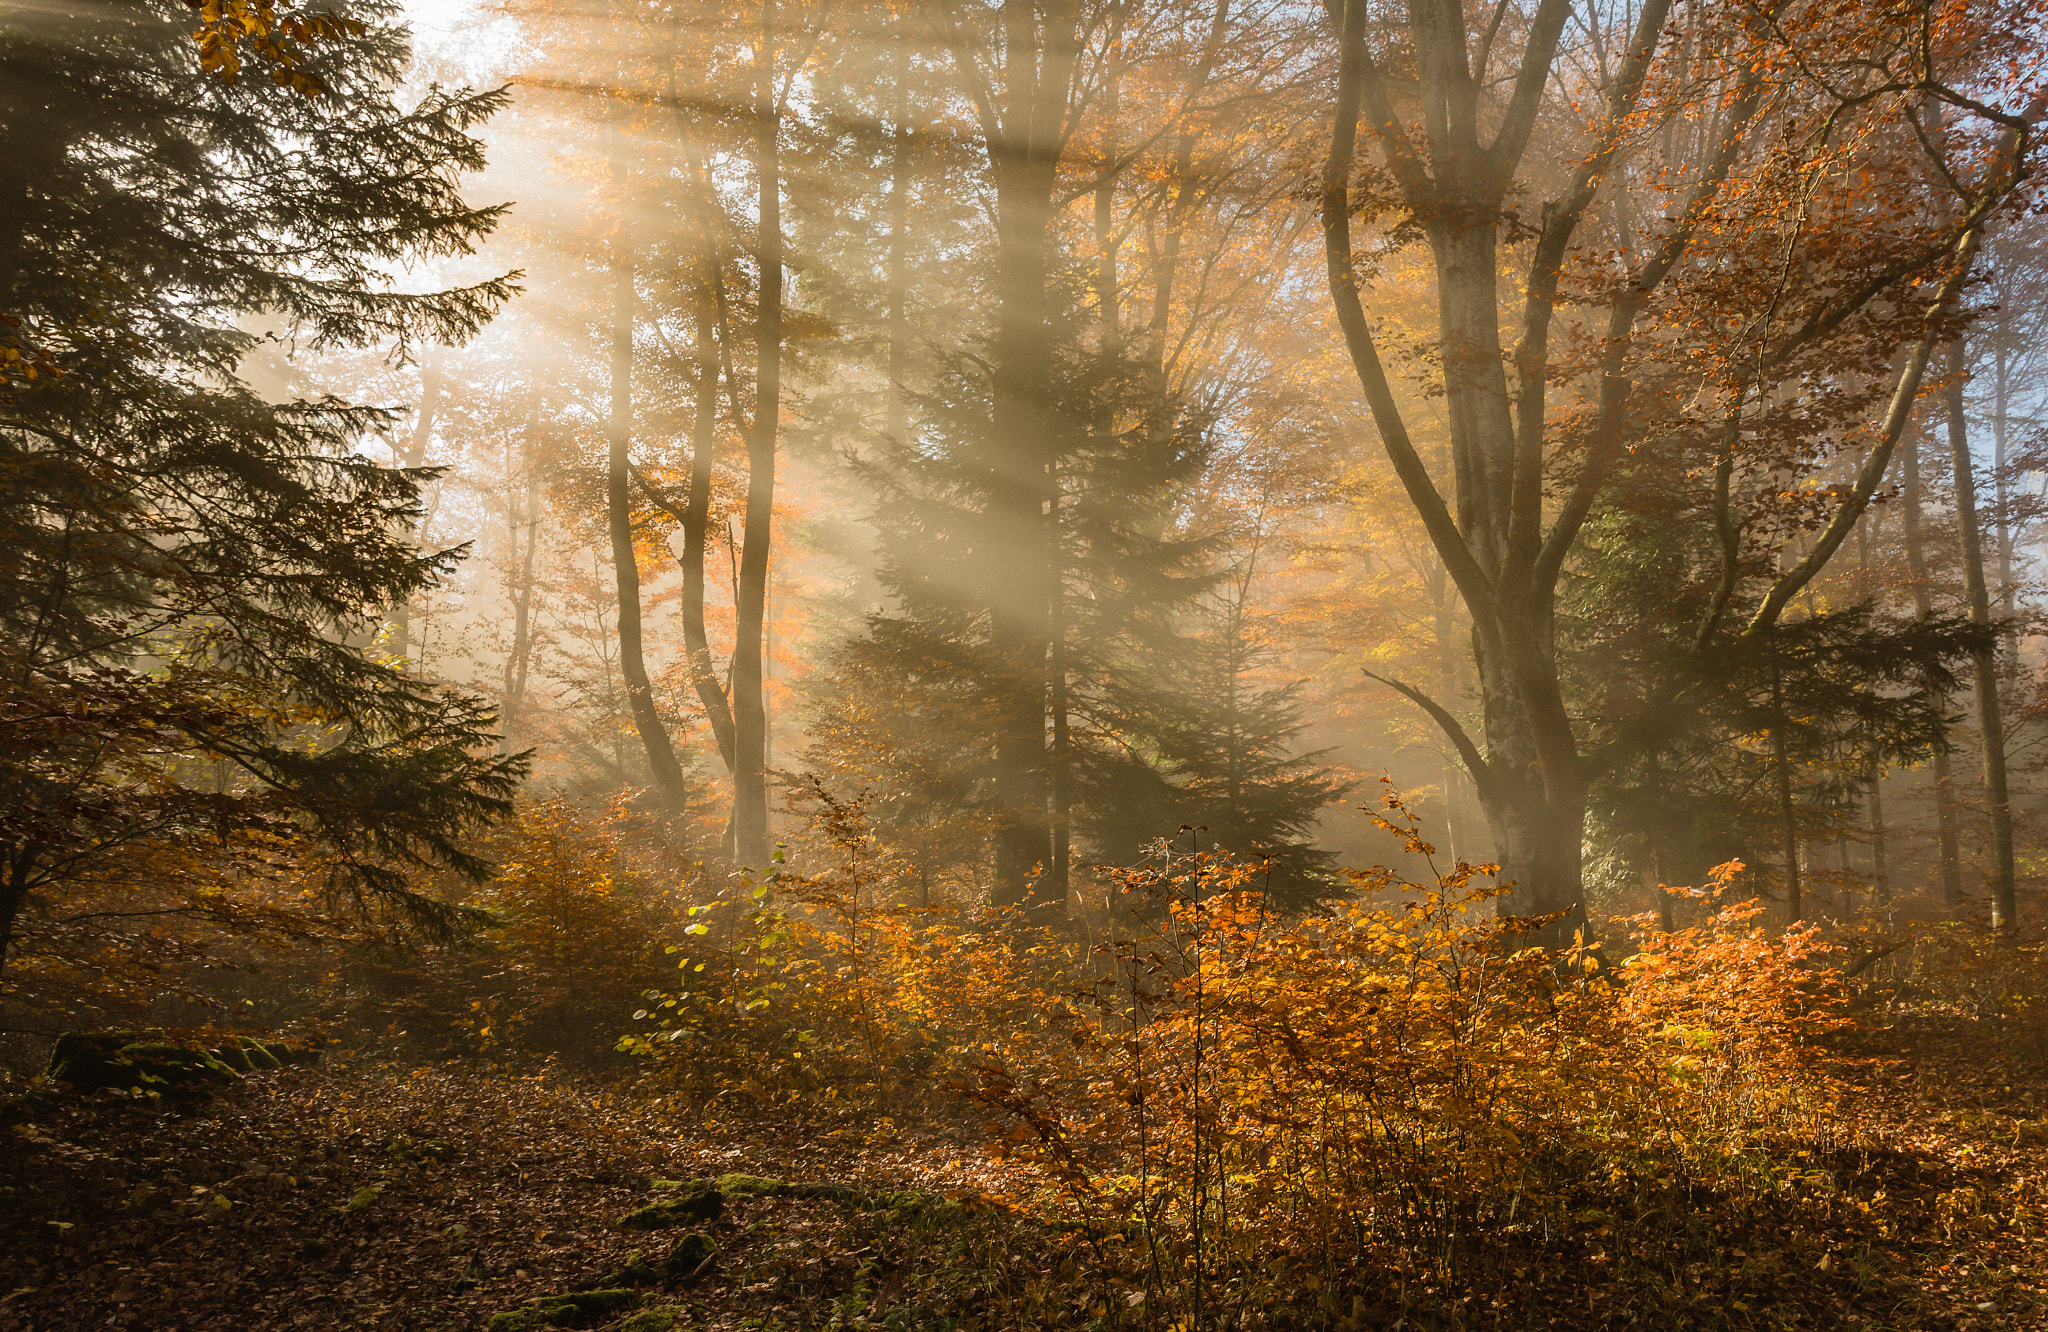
{"x": 654, "y": 738}
{"x": 1017, "y": 555}
{"x": 749, "y": 702}
{"x": 1990, "y": 712}
{"x": 1947, "y": 836}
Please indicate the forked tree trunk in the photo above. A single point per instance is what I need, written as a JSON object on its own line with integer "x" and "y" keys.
{"x": 654, "y": 738}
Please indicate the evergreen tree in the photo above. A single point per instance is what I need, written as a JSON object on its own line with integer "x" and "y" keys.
{"x": 192, "y": 570}
{"x": 1149, "y": 715}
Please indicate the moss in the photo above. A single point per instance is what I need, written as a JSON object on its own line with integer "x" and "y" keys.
{"x": 259, "y": 1056}
{"x": 233, "y": 1056}
{"x": 364, "y": 1196}
{"x": 90, "y": 1061}
{"x": 758, "y": 1186}
{"x": 702, "y": 1203}
{"x": 575, "y": 1309}
{"x": 637, "y": 1272}
{"x": 176, "y": 1067}
{"x": 688, "y": 1255}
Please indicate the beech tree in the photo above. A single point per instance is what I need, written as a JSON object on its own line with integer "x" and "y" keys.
{"x": 1759, "y": 244}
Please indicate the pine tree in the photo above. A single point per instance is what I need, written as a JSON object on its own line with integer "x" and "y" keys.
{"x": 192, "y": 570}
{"x": 1149, "y": 716}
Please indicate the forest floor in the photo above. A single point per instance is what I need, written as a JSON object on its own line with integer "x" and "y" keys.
{"x": 375, "y": 1197}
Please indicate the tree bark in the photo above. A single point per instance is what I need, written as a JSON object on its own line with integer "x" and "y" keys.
{"x": 522, "y": 589}
{"x": 1990, "y": 712}
{"x": 667, "y": 772}
{"x": 1024, "y": 142}
{"x": 1947, "y": 836}
{"x": 432, "y": 379}
{"x": 749, "y": 699}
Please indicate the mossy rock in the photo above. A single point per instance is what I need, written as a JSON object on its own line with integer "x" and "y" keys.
{"x": 576, "y": 1309}
{"x": 699, "y": 1204}
{"x": 637, "y": 1272}
{"x": 176, "y": 1067}
{"x": 234, "y": 1056}
{"x": 737, "y": 1185}
{"x": 688, "y": 1255}
{"x": 91, "y": 1061}
{"x": 661, "y": 1318}
{"x": 259, "y": 1056}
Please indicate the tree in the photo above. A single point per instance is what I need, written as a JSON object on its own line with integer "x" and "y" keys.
{"x": 193, "y": 570}
{"x": 1774, "y": 263}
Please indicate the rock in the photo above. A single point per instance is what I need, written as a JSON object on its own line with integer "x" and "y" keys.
{"x": 661, "y": 1318}
{"x": 90, "y": 1061}
{"x": 757, "y": 1186}
{"x": 572, "y": 1310}
{"x": 259, "y": 1055}
{"x": 700, "y": 1204}
{"x": 689, "y": 1256}
{"x": 166, "y": 1067}
{"x": 234, "y": 1056}
{"x": 637, "y": 1272}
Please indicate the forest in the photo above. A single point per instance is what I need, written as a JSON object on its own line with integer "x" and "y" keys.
{"x": 1075, "y": 665}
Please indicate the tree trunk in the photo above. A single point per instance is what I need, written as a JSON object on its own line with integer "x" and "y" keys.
{"x": 1947, "y": 836}
{"x": 749, "y": 699}
{"x": 432, "y": 378}
{"x": 1788, "y": 813}
{"x": 1017, "y": 558}
{"x": 522, "y": 588}
{"x": 695, "y": 518}
{"x": 1990, "y": 713}
{"x": 654, "y": 738}
{"x": 896, "y": 414}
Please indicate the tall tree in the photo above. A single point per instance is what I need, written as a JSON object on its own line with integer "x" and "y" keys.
{"x": 1452, "y": 148}
{"x": 192, "y": 565}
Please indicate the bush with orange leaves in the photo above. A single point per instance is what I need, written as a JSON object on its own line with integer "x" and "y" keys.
{"x": 1404, "y": 1072}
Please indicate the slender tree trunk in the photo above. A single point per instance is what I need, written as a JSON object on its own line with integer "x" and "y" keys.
{"x": 20, "y": 863}
{"x": 522, "y": 587}
{"x": 1880, "y": 869}
{"x": 749, "y": 700}
{"x": 1947, "y": 835}
{"x": 432, "y": 380}
{"x": 695, "y": 519}
{"x": 661, "y": 755}
{"x": 1990, "y": 713}
{"x": 2001, "y": 406}
{"x": 896, "y": 414}
{"x": 1788, "y": 814}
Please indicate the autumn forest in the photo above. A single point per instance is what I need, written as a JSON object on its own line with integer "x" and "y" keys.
{"x": 965, "y": 665}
